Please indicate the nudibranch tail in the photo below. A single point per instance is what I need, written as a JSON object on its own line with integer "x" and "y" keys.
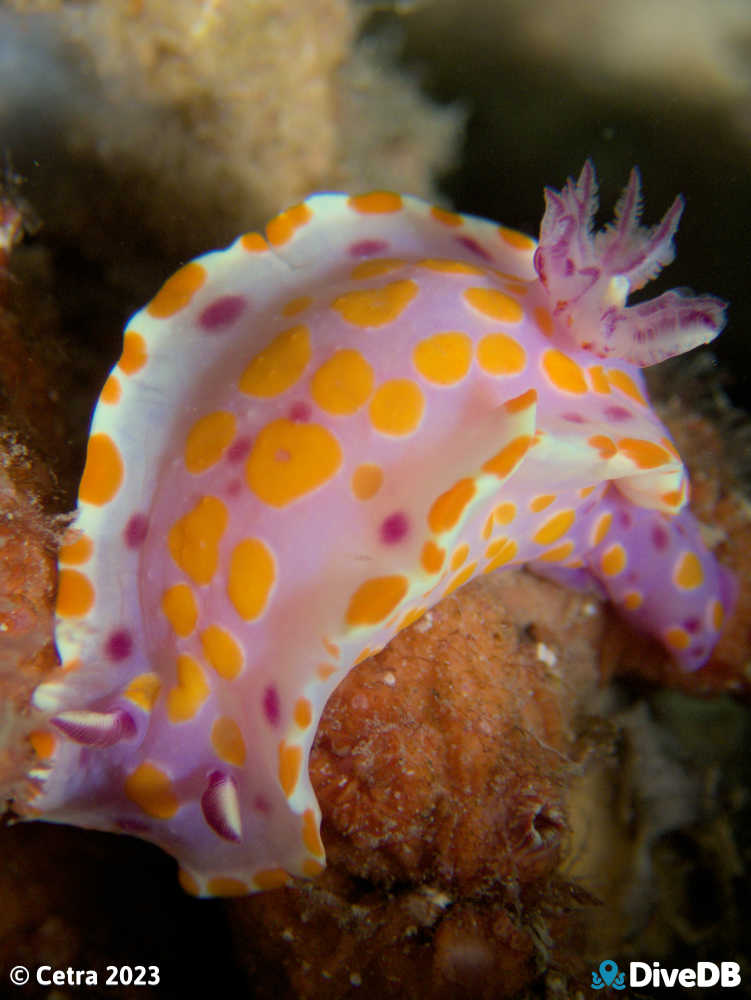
{"x": 589, "y": 277}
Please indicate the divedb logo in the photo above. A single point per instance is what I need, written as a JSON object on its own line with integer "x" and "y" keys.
{"x": 702, "y": 975}
{"x": 609, "y": 975}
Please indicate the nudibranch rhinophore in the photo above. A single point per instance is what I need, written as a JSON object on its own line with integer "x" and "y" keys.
{"x": 312, "y": 437}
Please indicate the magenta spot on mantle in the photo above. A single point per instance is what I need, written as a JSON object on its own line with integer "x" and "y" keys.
{"x": 394, "y": 527}
{"x": 574, "y": 418}
{"x": 301, "y": 412}
{"x": 136, "y": 530}
{"x": 474, "y": 247}
{"x": 234, "y": 488}
{"x": 660, "y": 537}
{"x": 261, "y": 805}
{"x": 271, "y": 704}
{"x": 367, "y": 248}
{"x": 617, "y": 413}
{"x": 119, "y": 645}
{"x": 238, "y": 449}
{"x": 692, "y": 625}
{"x": 222, "y": 312}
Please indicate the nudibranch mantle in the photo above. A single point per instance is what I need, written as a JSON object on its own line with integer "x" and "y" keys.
{"x": 312, "y": 437}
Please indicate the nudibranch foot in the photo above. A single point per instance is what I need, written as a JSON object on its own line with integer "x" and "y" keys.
{"x": 310, "y": 438}
{"x": 589, "y": 277}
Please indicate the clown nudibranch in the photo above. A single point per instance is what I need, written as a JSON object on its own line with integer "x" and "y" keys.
{"x": 312, "y": 437}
